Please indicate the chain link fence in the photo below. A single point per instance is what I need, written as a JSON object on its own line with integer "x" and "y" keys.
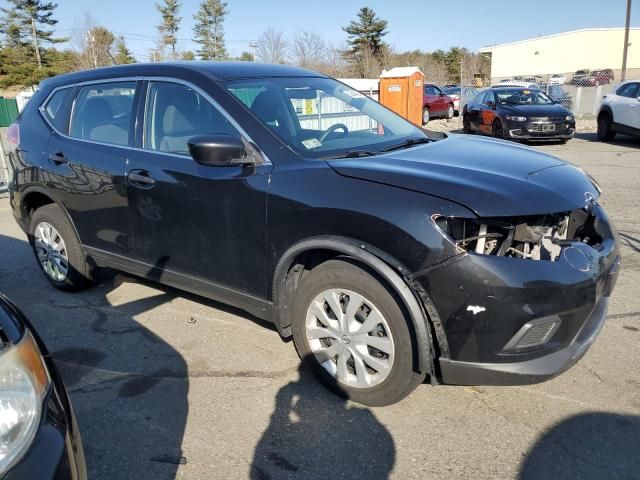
{"x": 581, "y": 92}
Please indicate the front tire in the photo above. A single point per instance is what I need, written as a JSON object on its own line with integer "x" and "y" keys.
{"x": 498, "y": 130}
{"x": 57, "y": 249}
{"x": 425, "y": 116}
{"x": 350, "y": 330}
{"x": 605, "y": 130}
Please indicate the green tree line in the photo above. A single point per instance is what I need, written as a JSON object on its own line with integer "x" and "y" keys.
{"x": 29, "y": 48}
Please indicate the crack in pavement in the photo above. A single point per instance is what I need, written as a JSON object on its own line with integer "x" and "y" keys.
{"x": 179, "y": 375}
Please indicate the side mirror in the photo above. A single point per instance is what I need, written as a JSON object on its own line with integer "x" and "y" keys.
{"x": 218, "y": 150}
{"x": 490, "y": 104}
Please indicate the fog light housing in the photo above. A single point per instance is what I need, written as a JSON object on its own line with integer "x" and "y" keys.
{"x": 534, "y": 333}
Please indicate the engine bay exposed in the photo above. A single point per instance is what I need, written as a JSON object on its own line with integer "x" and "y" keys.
{"x": 539, "y": 237}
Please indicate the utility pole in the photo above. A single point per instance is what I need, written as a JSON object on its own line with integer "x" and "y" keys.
{"x": 90, "y": 38}
{"x": 253, "y": 45}
{"x": 626, "y": 42}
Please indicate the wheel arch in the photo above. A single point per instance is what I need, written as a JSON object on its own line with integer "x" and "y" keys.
{"x": 35, "y": 197}
{"x": 606, "y": 110}
{"x": 291, "y": 267}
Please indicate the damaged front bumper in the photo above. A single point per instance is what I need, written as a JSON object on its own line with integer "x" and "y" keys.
{"x": 508, "y": 320}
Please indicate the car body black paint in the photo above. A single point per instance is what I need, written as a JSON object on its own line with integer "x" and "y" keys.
{"x": 222, "y": 231}
{"x": 56, "y": 451}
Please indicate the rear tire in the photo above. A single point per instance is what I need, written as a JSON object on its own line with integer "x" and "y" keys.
{"x": 466, "y": 124}
{"x": 450, "y": 112}
{"x": 57, "y": 249}
{"x": 425, "y": 116}
{"x": 605, "y": 128}
{"x": 341, "y": 313}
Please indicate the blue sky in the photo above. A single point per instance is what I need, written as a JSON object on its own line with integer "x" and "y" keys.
{"x": 423, "y": 24}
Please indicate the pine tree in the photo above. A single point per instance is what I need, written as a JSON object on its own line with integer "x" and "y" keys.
{"x": 209, "y": 29}
{"x": 123, "y": 54}
{"x": 366, "y": 33}
{"x": 170, "y": 23}
{"x": 32, "y": 18}
{"x": 10, "y": 28}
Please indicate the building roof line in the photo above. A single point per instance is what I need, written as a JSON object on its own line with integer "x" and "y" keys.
{"x": 488, "y": 48}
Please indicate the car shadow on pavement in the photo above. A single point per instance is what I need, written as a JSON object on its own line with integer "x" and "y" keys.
{"x": 621, "y": 140}
{"x": 588, "y": 446}
{"x": 315, "y": 434}
{"x": 128, "y": 387}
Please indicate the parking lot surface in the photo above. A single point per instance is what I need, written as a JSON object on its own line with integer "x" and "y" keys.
{"x": 169, "y": 385}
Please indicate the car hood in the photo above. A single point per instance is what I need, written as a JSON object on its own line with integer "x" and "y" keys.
{"x": 536, "y": 110}
{"x": 491, "y": 177}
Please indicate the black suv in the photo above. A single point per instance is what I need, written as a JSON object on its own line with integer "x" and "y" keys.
{"x": 388, "y": 253}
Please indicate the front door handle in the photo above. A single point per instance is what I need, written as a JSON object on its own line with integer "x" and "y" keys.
{"x": 141, "y": 179}
{"x": 58, "y": 158}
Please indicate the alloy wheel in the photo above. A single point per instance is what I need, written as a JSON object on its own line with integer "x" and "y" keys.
{"x": 350, "y": 338}
{"x": 51, "y": 251}
{"x": 425, "y": 116}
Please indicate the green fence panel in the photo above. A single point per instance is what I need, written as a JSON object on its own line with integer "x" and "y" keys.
{"x": 8, "y": 111}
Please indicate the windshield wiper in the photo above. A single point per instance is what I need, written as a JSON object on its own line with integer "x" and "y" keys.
{"x": 408, "y": 143}
{"x": 354, "y": 154}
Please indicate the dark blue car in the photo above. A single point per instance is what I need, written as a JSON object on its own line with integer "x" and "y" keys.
{"x": 516, "y": 113}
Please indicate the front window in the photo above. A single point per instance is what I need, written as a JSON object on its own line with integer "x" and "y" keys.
{"x": 629, "y": 90}
{"x": 320, "y": 117}
{"x": 522, "y": 97}
{"x": 174, "y": 113}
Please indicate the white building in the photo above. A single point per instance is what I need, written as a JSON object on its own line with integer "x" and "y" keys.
{"x": 589, "y": 48}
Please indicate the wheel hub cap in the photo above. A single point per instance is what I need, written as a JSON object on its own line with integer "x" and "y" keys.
{"x": 350, "y": 338}
{"x": 51, "y": 251}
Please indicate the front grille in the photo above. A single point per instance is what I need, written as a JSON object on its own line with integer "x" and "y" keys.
{"x": 547, "y": 119}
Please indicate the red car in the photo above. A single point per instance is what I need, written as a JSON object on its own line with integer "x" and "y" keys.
{"x": 436, "y": 103}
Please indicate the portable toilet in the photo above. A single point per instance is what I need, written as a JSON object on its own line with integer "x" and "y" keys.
{"x": 401, "y": 90}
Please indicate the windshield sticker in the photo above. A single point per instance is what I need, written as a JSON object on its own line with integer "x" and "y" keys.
{"x": 353, "y": 93}
{"x": 311, "y": 143}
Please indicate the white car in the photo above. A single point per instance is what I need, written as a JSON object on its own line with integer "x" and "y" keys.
{"x": 519, "y": 84}
{"x": 620, "y": 111}
{"x": 557, "y": 79}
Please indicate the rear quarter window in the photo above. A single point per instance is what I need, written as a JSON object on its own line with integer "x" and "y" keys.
{"x": 56, "y": 109}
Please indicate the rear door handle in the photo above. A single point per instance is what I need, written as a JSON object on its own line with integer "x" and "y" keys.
{"x": 141, "y": 179}
{"x": 58, "y": 158}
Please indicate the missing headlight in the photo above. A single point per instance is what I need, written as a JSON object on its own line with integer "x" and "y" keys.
{"x": 538, "y": 237}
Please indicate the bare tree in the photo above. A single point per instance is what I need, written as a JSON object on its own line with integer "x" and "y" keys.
{"x": 309, "y": 50}
{"x": 92, "y": 43}
{"x": 272, "y": 47}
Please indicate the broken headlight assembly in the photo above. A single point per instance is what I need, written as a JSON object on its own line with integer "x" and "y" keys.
{"x": 24, "y": 382}
{"x": 539, "y": 237}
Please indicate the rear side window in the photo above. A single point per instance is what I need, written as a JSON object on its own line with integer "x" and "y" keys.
{"x": 628, "y": 90}
{"x": 57, "y": 109}
{"x": 102, "y": 112}
{"x": 431, "y": 90}
{"x": 175, "y": 113}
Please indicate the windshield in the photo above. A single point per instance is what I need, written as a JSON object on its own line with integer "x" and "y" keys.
{"x": 522, "y": 97}
{"x": 321, "y": 118}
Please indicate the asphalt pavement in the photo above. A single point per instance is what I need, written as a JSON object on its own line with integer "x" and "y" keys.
{"x": 169, "y": 385}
